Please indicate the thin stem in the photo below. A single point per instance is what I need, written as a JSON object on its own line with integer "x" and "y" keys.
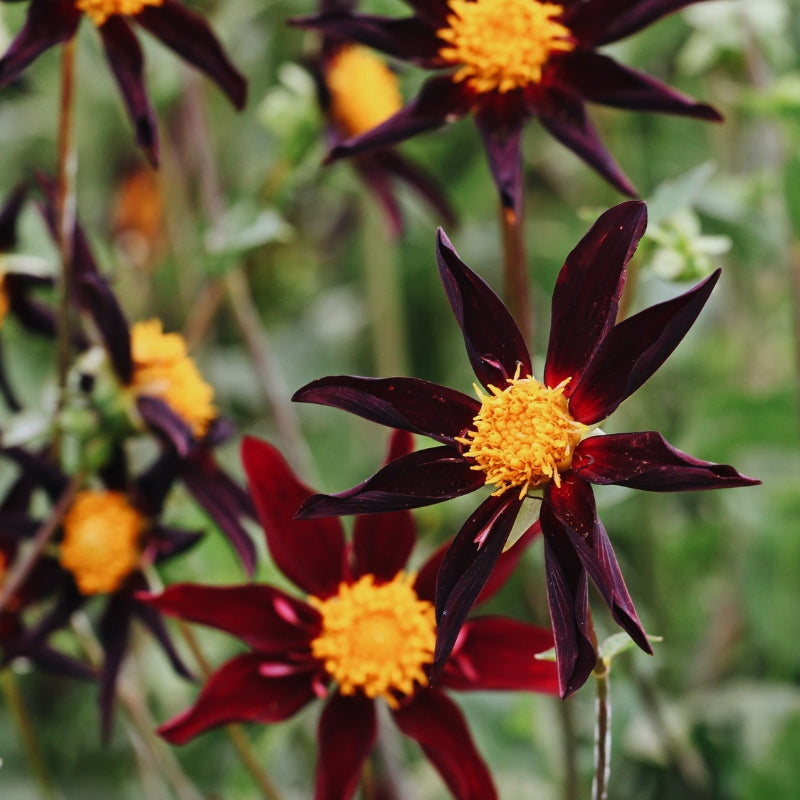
{"x": 566, "y": 715}
{"x": 602, "y": 732}
{"x": 795, "y": 279}
{"x": 515, "y": 272}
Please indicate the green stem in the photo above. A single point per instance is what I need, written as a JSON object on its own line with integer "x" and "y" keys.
{"x": 602, "y": 732}
{"x": 515, "y": 272}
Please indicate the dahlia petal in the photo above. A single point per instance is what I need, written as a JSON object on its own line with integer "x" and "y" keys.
{"x": 499, "y": 653}
{"x": 167, "y": 423}
{"x": 152, "y": 620}
{"x": 466, "y": 568}
{"x": 239, "y": 692}
{"x": 8, "y": 217}
{"x": 633, "y": 350}
{"x": 587, "y": 291}
{"x": 434, "y": 12}
{"x": 380, "y": 184}
{"x": 494, "y": 343}
{"x": 346, "y": 736}
{"x": 113, "y": 631}
{"x": 412, "y": 481}
{"x": 311, "y": 554}
{"x": 409, "y": 404}
{"x": 31, "y": 314}
{"x": 646, "y": 461}
{"x": 438, "y": 726}
{"x": 189, "y": 35}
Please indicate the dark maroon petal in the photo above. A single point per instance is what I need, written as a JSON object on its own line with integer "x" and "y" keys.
{"x": 409, "y": 404}
{"x": 311, "y": 554}
{"x": 412, "y": 481}
{"x": 346, "y": 736}
{"x": 263, "y": 617}
{"x": 188, "y": 34}
{"x": 60, "y": 664}
{"x": 499, "y": 653}
{"x": 587, "y": 291}
{"x": 564, "y": 116}
{"x": 439, "y": 727}
{"x": 8, "y": 217}
{"x": 466, "y": 568}
{"x": 166, "y": 423}
{"x": 153, "y": 621}
{"x": 238, "y": 692}
{"x": 633, "y": 351}
{"x": 125, "y": 59}
{"x": 48, "y": 23}
{"x": 31, "y": 314}
{"x": 113, "y": 631}
{"x": 495, "y": 345}
{"x": 380, "y": 184}
{"x": 646, "y": 461}
{"x": 6, "y": 390}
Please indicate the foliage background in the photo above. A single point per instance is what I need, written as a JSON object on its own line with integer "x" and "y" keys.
{"x": 716, "y": 712}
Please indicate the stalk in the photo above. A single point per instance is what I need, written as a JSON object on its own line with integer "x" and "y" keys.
{"x": 515, "y": 272}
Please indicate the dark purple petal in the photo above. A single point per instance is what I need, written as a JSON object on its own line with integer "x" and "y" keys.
{"x": 311, "y": 554}
{"x": 166, "y": 423}
{"x": 239, "y": 692}
{"x": 646, "y": 461}
{"x": 60, "y": 664}
{"x": 466, "y": 568}
{"x": 412, "y": 481}
{"x": 587, "y": 291}
{"x": 564, "y": 117}
{"x": 263, "y": 617}
{"x": 346, "y": 736}
{"x": 31, "y": 314}
{"x": 380, "y": 184}
{"x": 499, "y": 653}
{"x": 633, "y": 351}
{"x": 439, "y": 727}
{"x": 125, "y": 59}
{"x": 495, "y": 345}
{"x": 409, "y": 404}
{"x": 152, "y": 620}
{"x": 113, "y": 631}
{"x": 8, "y": 217}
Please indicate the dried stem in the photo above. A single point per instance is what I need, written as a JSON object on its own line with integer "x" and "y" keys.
{"x": 515, "y": 272}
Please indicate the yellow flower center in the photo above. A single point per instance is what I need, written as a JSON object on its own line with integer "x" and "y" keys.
{"x": 163, "y": 369}
{"x": 524, "y": 435}
{"x": 100, "y": 10}
{"x": 376, "y": 638}
{"x": 364, "y": 91}
{"x": 101, "y": 545}
{"x": 502, "y": 44}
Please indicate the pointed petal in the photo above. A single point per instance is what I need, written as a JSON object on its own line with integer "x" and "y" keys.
{"x": 646, "y": 461}
{"x": 380, "y": 184}
{"x": 633, "y": 351}
{"x": 113, "y": 631}
{"x": 587, "y": 291}
{"x": 155, "y": 624}
{"x": 346, "y": 736}
{"x": 499, "y": 653}
{"x": 466, "y": 569}
{"x": 9, "y": 215}
{"x": 495, "y": 345}
{"x": 238, "y": 692}
{"x": 412, "y": 481}
{"x": 311, "y": 554}
{"x": 166, "y": 423}
{"x": 409, "y": 404}
{"x": 439, "y": 727}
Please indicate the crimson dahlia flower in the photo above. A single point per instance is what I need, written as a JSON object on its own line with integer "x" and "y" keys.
{"x": 365, "y": 631}
{"x": 508, "y": 60}
{"x": 534, "y": 438}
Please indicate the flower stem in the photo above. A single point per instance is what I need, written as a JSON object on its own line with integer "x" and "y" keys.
{"x": 602, "y": 732}
{"x": 515, "y": 272}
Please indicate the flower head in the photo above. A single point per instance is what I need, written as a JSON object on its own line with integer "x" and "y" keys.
{"x": 527, "y": 437}
{"x": 365, "y": 632}
{"x": 509, "y": 60}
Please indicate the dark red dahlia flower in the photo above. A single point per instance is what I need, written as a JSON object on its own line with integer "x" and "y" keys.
{"x": 50, "y": 22}
{"x": 366, "y": 631}
{"x": 531, "y": 438}
{"x": 508, "y": 60}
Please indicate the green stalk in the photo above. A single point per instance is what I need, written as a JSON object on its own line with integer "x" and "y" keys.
{"x": 515, "y": 272}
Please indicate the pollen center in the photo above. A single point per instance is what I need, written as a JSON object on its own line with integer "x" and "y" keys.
{"x": 364, "y": 91}
{"x": 163, "y": 369}
{"x": 523, "y": 436}
{"x": 100, "y": 10}
{"x": 101, "y": 545}
{"x": 376, "y": 638}
{"x": 502, "y": 44}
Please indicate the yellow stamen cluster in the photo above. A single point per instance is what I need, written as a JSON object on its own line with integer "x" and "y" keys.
{"x": 502, "y": 45}
{"x": 524, "y": 435}
{"x": 100, "y": 10}
{"x": 101, "y": 545}
{"x": 163, "y": 368}
{"x": 364, "y": 91}
{"x": 376, "y": 638}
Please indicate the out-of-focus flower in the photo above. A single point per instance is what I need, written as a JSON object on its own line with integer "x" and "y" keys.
{"x": 366, "y": 631}
{"x": 534, "y": 439}
{"x": 509, "y": 60}
{"x": 50, "y": 22}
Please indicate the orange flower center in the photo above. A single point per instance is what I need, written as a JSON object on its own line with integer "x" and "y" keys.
{"x": 364, "y": 91}
{"x": 100, "y": 10}
{"x": 524, "y": 435}
{"x": 163, "y": 368}
{"x": 101, "y": 545}
{"x": 376, "y": 638}
{"x": 502, "y": 45}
